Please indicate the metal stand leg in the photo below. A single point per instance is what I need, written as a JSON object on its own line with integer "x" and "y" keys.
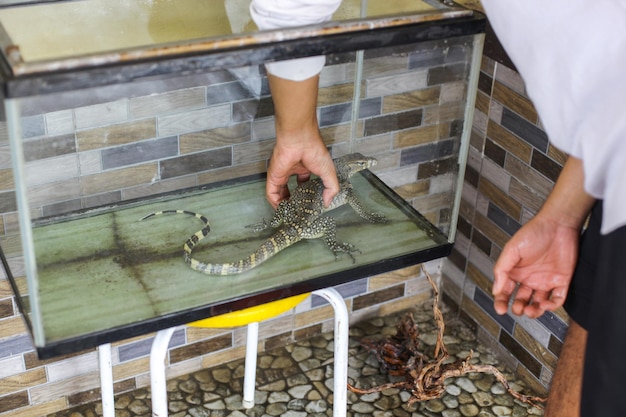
{"x": 342, "y": 325}
{"x": 106, "y": 380}
{"x": 249, "y": 379}
{"x": 157, "y": 372}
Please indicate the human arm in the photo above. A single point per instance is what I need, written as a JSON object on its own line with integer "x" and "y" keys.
{"x": 536, "y": 265}
{"x": 299, "y": 149}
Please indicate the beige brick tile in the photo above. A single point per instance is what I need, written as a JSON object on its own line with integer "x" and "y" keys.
{"x": 39, "y": 410}
{"x": 487, "y": 65}
{"x": 509, "y": 142}
{"x": 533, "y": 383}
{"x": 445, "y": 113}
{"x": 193, "y": 121}
{"x": 313, "y": 316}
{"x": 187, "y": 367}
{"x": 131, "y": 368}
{"x": 90, "y": 162}
{"x": 495, "y": 173}
{"x": 453, "y": 92}
{"x": 413, "y": 190}
{"x": 410, "y": 100}
{"x": 450, "y": 287}
{"x": 252, "y": 152}
{"x": 52, "y": 391}
{"x": 337, "y": 74}
{"x": 46, "y": 171}
{"x": 500, "y": 198}
{"x": 19, "y": 382}
{"x": 528, "y": 176}
{"x": 175, "y": 101}
{"x": 479, "y": 278}
{"x": 174, "y": 184}
{"x": 232, "y": 172}
{"x": 12, "y": 326}
{"x": 490, "y": 230}
{"x": 119, "y": 179}
{"x": 482, "y": 318}
{"x": 525, "y": 195}
{"x": 219, "y": 358}
{"x": 479, "y": 125}
{"x": 482, "y": 102}
{"x": 214, "y": 138}
{"x": 418, "y": 136}
{"x": 73, "y": 367}
{"x": 64, "y": 190}
{"x": 195, "y": 334}
{"x": 557, "y": 155}
{"x": 514, "y": 101}
{"x": 337, "y": 134}
{"x": 432, "y": 202}
{"x": 394, "y": 277}
{"x": 339, "y": 93}
{"x": 11, "y": 366}
{"x": 403, "y": 304}
{"x": 387, "y": 65}
{"x": 101, "y": 114}
{"x": 117, "y": 134}
{"x": 6, "y": 179}
{"x": 395, "y": 84}
{"x": 510, "y": 78}
{"x": 59, "y": 122}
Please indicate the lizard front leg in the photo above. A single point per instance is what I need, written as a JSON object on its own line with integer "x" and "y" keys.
{"x": 356, "y": 205}
{"x": 325, "y": 227}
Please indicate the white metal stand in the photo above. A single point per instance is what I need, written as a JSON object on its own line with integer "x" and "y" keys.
{"x": 106, "y": 380}
{"x": 340, "y": 378}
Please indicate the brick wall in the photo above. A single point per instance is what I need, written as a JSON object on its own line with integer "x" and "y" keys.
{"x": 511, "y": 170}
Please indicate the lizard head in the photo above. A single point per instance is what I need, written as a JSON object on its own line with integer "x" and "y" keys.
{"x": 350, "y": 164}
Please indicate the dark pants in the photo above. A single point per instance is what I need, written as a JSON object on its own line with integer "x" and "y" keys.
{"x": 597, "y": 301}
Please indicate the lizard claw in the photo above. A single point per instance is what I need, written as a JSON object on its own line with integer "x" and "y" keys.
{"x": 346, "y": 248}
{"x": 258, "y": 227}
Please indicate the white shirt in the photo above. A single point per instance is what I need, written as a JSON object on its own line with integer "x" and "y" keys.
{"x": 572, "y": 57}
{"x": 275, "y": 14}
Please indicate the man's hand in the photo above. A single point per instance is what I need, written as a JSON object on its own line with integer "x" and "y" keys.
{"x": 301, "y": 159}
{"x": 299, "y": 148}
{"x": 535, "y": 268}
{"x": 536, "y": 265}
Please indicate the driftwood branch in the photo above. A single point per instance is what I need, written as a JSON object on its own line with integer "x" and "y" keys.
{"x": 422, "y": 377}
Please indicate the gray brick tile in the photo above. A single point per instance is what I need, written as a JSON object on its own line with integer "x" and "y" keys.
{"x": 194, "y": 163}
{"x": 427, "y": 152}
{"x": 15, "y": 346}
{"x": 139, "y": 152}
{"x": 525, "y": 130}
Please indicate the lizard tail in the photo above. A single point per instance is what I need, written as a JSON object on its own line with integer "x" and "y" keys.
{"x": 274, "y": 244}
{"x": 277, "y": 242}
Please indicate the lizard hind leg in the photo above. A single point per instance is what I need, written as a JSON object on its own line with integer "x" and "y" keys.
{"x": 325, "y": 227}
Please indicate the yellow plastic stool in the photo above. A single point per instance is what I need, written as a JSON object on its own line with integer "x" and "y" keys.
{"x": 251, "y": 317}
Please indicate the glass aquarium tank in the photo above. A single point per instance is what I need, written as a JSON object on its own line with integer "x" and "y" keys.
{"x": 166, "y": 107}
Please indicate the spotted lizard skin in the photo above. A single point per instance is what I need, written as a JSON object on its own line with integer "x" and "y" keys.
{"x": 299, "y": 217}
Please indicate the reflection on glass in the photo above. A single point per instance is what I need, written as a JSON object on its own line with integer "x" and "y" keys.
{"x": 75, "y": 28}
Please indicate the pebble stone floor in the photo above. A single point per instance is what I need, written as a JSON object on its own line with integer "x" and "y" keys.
{"x": 296, "y": 381}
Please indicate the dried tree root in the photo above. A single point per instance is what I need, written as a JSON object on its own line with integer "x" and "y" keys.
{"x": 424, "y": 378}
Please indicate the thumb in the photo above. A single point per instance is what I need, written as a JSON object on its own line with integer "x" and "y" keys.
{"x": 505, "y": 264}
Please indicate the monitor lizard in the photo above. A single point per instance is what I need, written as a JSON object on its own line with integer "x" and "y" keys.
{"x": 301, "y": 216}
